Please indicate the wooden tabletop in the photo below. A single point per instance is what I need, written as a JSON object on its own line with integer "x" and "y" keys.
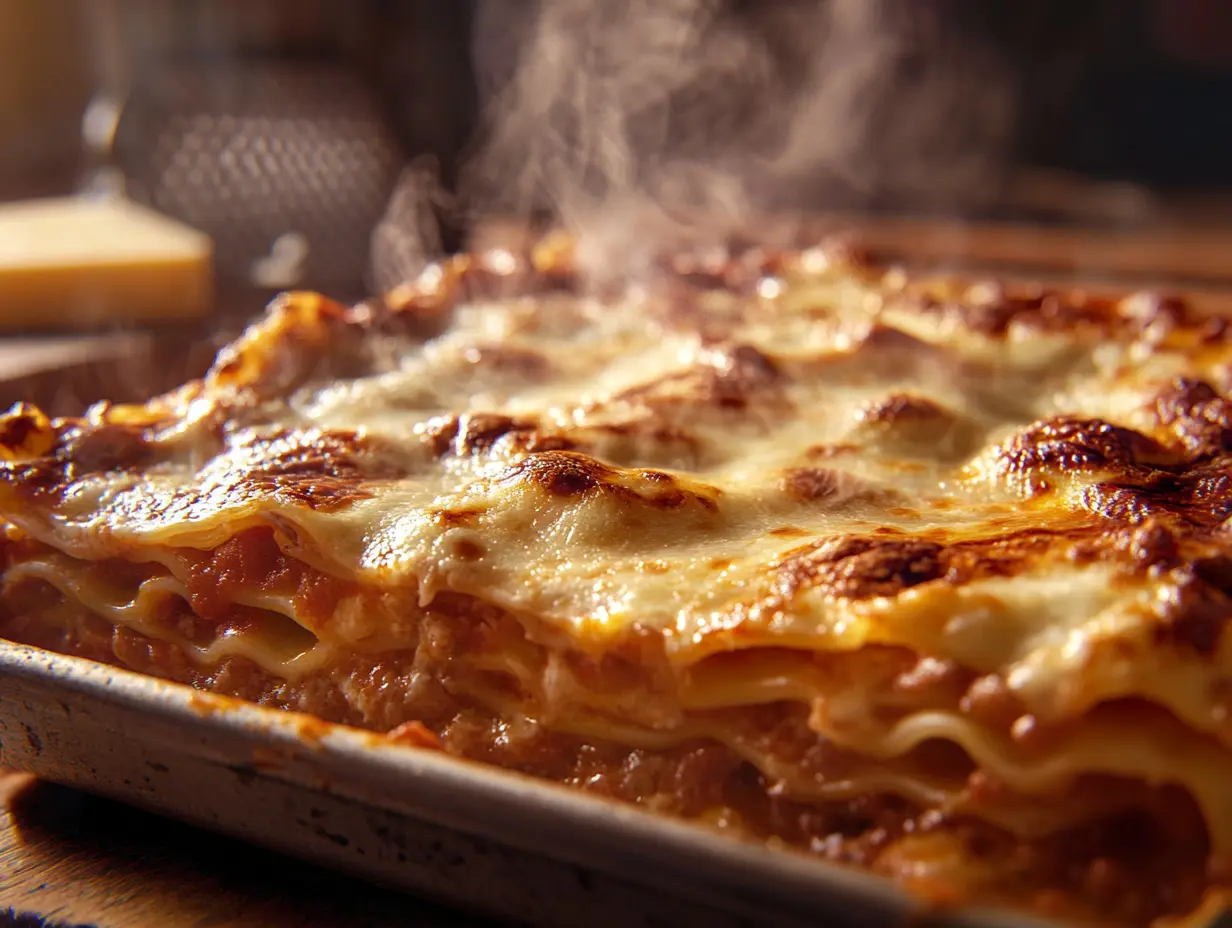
{"x": 74, "y": 859}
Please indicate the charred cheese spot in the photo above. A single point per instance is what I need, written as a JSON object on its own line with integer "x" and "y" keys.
{"x": 838, "y": 488}
{"x": 731, "y": 378}
{"x": 567, "y": 474}
{"x": 890, "y": 561}
{"x": 319, "y": 470}
{"x": 902, "y": 408}
{"x": 883, "y": 339}
{"x": 915, "y": 426}
{"x": 1201, "y": 496}
{"x": 479, "y": 433}
{"x": 739, "y": 373}
{"x": 744, "y": 366}
{"x": 993, "y": 312}
{"x": 105, "y": 449}
{"x": 1068, "y": 447}
{"x": 1199, "y": 417}
{"x": 79, "y": 452}
{"x": 875, "y": 351}
{"x": 857, "y": 568}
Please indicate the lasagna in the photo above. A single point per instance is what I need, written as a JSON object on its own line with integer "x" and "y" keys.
{"x": 925, "y": 576}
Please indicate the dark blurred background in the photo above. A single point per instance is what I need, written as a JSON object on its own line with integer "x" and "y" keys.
{"x": 1137, "y": 90}
{"x": 228, "y": 104}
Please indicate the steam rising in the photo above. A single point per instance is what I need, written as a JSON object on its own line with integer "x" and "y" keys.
{"x": 646, "y": 124}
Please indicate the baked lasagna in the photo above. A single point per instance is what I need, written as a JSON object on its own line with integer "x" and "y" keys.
{"x": 925, "y": 576}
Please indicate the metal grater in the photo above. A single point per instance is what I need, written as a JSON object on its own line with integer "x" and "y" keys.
{"x": 288, "y": 166}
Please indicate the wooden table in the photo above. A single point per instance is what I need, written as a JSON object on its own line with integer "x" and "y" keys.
{"x": 74, "y": 859}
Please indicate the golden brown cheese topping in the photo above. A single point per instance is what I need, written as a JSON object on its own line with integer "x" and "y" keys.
{"x": 761, "y": 483}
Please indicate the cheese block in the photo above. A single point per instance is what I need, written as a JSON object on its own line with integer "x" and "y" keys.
{"x": 81, "y": 263}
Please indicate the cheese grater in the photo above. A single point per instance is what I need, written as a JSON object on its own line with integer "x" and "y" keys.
{"x": 287, "y": 165}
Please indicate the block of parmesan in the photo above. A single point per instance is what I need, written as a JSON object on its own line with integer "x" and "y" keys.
{"x": 75, "y": 263}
